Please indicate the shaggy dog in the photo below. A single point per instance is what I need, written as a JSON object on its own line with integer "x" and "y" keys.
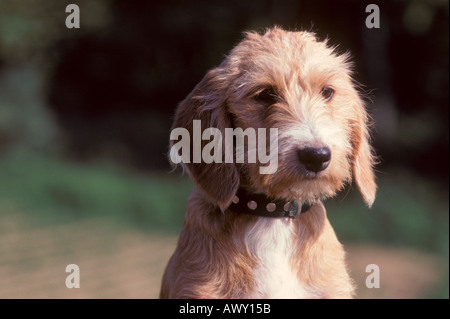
{"x": 253, "y": 235}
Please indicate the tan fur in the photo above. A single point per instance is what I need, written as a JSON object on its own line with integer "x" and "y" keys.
{"x": 226, "y": 254}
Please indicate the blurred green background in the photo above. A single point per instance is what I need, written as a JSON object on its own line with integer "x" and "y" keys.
{"x": 84, "y": 127}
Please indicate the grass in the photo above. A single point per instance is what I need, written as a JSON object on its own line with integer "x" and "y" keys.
{"x": 55, "y": 191}
{"x": 409, "y": 211}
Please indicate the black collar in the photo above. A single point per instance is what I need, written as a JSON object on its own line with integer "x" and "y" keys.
{"x": 260, "y": 205}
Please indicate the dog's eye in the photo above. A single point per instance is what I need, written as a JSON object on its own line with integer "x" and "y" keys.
{"x": 327, "y": 93}
{"x": 267, "y": 96}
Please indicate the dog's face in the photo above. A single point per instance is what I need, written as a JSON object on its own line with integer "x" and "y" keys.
{"x": 292, "y": 82}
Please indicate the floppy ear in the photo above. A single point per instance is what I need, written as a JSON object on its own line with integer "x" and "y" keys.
{"x": 362, "y": 159}
{"x": 207, "y": 103}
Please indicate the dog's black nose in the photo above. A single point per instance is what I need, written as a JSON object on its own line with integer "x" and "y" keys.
{"x": 314, "y": 159}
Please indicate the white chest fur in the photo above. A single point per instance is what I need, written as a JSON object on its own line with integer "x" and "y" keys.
{"x": 271, "y": 242}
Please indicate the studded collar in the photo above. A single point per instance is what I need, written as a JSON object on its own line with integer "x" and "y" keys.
{"x": 260, "y": 205}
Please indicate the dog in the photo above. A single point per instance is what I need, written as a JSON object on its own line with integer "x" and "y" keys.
{"x": 252, "y": 235}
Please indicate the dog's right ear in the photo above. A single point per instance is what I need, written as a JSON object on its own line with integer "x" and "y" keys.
{"x": 362, "y": 158}
{"x": 207, "y": 103}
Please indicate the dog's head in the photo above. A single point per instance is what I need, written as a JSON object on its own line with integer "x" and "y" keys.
{"x": 299, "y": 85}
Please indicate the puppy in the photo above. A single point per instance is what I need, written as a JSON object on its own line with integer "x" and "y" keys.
{"x": 253, "y": 235}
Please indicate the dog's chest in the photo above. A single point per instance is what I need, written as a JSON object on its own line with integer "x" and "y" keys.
{"x": 271, "y": 241}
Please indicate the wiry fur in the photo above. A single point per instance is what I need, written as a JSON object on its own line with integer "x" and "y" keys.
{"x": 226, "y": 254}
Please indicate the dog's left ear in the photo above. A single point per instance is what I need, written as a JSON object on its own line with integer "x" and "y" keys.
{"x": 363, "y": 158}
